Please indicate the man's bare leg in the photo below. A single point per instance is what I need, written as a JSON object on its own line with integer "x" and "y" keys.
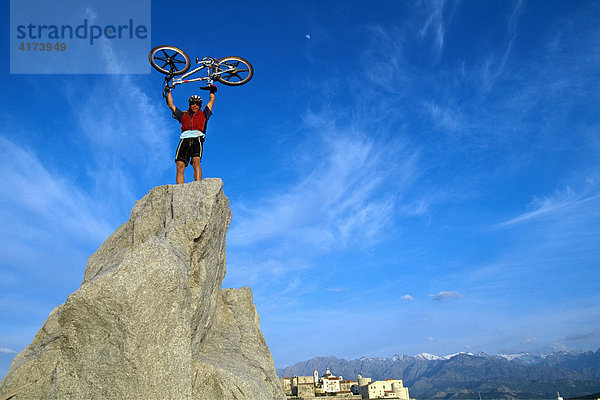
{"x": 197, "y": 169}
{"x": 180, "y": 169}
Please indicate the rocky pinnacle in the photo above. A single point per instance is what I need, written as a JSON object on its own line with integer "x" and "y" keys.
{"x": 150, "y": 320}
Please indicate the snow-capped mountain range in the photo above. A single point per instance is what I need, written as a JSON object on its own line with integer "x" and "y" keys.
{"x": 466, "y": 375}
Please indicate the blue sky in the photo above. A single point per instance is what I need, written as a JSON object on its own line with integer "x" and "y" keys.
{"x": 404, "y": 177}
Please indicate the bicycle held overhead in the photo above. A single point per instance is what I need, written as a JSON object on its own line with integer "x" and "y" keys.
{"x": 175, "y": 64}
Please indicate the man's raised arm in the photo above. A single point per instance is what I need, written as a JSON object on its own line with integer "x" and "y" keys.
{"x": 169, "y": 98}
{"x": 211, "y": 100}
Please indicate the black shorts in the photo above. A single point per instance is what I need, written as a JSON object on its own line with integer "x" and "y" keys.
{"x": 187, "y": 149}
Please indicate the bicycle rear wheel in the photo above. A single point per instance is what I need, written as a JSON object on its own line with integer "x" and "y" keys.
{"x": 169, "y": 60}
{"x": 233, "y": 71}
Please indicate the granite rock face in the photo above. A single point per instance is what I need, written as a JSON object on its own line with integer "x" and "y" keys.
{"x": 150, "y": 320}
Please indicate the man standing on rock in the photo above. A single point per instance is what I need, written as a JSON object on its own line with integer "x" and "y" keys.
{"x": 193, "y": 129}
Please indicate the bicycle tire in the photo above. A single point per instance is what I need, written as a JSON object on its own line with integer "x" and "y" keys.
{"x": 242, "y": 75}
{"x": 163, "y": 56}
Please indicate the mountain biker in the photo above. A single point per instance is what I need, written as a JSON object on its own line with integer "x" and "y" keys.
{"x": 193, "y": 129}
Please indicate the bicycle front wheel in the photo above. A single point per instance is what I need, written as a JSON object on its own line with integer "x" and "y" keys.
{"x": 233, "y": 71}
{"x": 169, "y": 60}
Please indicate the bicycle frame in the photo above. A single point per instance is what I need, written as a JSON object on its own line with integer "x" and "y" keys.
{"x": 206, "y": 62}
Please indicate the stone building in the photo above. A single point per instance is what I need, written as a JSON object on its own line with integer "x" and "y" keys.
{"x": 388, "y": 389}
{"x": 330, "y": 383}
{"x": 286, "y": 385}
{"x": 347, "y": 386}
{"x": 302, "y": 386}
{"x": 305, "y": 390}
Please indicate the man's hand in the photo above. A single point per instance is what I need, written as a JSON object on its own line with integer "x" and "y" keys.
{"x": 212, "y": 88}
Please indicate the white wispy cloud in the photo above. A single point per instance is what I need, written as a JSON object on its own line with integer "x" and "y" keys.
{"x": 348, "y": 188}
{"x": 389, "y": 74}
{"x": 407, "y": 297}
{"x": 581, "y": 336}
{"x": 494, "y": 66}
{"x": 445, "y": 117}
{"x": 50, "y": 197}
{"x": 555, "y": 237}
{"x": 255, "y": 268}
{"x": 131, "y": 131}
{"x": 435, "y": 23}
{"x": 5, "y": 350}
{"x": 345, "y": 197}
{"x": 445, "y": 295}
{"x": 558, "y": 203}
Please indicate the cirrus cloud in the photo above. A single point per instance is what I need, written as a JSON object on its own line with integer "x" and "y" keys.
{"x": 444, "y": 295}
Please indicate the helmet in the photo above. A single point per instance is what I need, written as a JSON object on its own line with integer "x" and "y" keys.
{"x": 195, "y": 99}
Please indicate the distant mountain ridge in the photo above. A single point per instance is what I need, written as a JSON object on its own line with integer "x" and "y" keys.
{"x": 468, "y": 375}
